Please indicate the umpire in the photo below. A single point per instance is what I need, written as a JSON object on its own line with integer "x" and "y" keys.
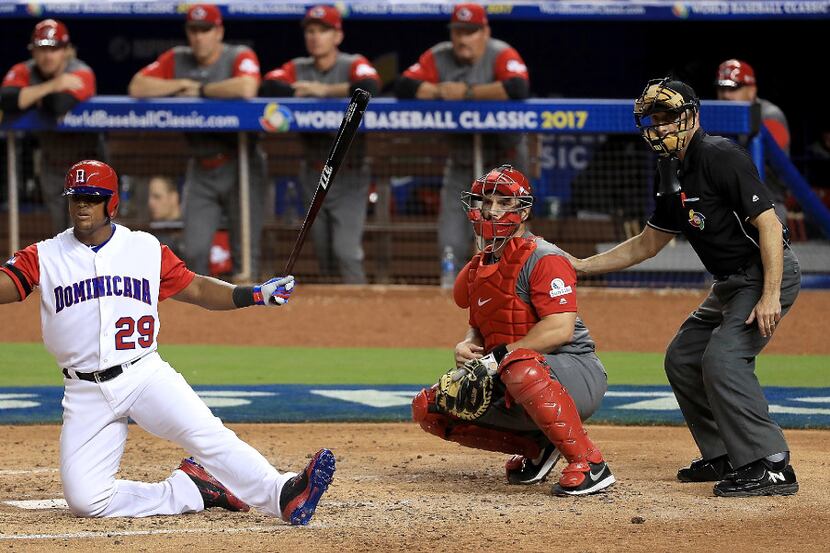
{"x": 709, "y": 190}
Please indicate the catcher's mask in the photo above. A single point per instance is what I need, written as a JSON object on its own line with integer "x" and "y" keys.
{"x": 666, "y": 113}
{"x": 495, "y": 204}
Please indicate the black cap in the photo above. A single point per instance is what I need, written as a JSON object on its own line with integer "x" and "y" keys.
{"x": 684, "y": 90}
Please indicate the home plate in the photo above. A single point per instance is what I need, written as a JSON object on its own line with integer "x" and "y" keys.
{"x": 36, "y": 504}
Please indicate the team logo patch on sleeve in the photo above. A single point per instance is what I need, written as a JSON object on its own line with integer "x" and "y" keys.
{"x": 697, "y": 219}
{"x": 558, "y": 288}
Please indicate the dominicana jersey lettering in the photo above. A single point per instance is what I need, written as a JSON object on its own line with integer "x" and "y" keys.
{"x": 99, "y": 308}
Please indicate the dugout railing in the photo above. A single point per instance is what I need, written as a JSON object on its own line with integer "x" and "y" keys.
{"x": 591, "y": 174}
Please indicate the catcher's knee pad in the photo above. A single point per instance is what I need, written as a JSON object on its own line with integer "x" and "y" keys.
{"x": 461, "y": 432}
{"x": 427, "y": 416}
{"x": 524, "y": 373}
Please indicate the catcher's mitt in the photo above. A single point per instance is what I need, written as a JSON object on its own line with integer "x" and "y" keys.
{"x": 465, "y": 392}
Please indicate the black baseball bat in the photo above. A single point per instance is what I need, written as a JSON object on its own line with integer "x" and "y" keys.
{"x": 339, "y": 148}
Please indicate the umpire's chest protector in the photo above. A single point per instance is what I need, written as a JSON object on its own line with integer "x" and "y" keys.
{"x": 495, "y": 309}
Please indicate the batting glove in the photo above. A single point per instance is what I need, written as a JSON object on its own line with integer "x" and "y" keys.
{"x": 275, "y": 291}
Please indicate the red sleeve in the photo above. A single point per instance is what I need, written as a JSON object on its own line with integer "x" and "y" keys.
{"x": 286, "y": 73}
{"x": 361, "y": 70}
{"x": 460, "y": 292}
{"x": 553, "y": 286}
{"x": 175, "y": 276}
{"x": 24, "y": 270}
{"x": 779, "y": 132}
{"x": 88, "y": 90}
{"x": 17, "y": 76}
{"x": 163, "y": 68}
{"x": 509, "y": 65}
{"x": 424, "y": 70}
{"x": 246, "y": 64}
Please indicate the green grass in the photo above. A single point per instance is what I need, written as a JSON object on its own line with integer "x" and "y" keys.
{"x": 31, "y": 365}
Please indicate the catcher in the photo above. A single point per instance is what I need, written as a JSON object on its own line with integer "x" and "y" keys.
{"x": 526, "y": 373}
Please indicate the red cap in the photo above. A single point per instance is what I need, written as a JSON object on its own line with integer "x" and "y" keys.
{"x": 735, "y": 74}
{"x": 468, "y": 15}
{"x": 50, "y": 32}
{"x": 203, "y": 15}
{"x": 326, "y": 15}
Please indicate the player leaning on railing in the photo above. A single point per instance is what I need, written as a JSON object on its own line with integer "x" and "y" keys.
{"x": 100, "y": 288}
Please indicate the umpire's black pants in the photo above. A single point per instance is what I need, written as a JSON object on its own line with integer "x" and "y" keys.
{"x": 710, "y": 365}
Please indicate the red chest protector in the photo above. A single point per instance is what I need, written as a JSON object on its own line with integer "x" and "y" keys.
{"x": 495, "y": 309}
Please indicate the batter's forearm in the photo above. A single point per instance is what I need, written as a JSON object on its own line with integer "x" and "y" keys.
{"x": 209, "y": 293}
{"x": 8, "y": 290}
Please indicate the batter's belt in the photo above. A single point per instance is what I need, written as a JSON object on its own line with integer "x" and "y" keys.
{"x": 104, "y": 374}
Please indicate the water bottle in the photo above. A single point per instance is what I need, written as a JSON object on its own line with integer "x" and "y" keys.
{"x": 447, "y": 269}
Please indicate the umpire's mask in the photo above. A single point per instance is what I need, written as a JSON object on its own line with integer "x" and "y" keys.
{"x": 666, "y": 113}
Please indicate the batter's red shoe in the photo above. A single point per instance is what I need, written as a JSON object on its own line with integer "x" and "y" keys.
{"x": 300, "y": 495}
{"x": 214, "y": 494}
{"x": 584, "y": 478}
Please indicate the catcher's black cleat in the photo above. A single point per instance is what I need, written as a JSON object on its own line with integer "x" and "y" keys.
{"x": 300, "y": 495}
{"x": 521, "y": 470}
{"x": 759, "y": 478}
{"x": 214, "y": 494}
{"x": 701, "y": 470}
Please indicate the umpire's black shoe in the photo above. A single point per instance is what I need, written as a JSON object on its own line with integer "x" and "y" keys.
{"x": 758, "y": 478}
{"x": 521, "y": 470}
{"x": 701, "y": 470}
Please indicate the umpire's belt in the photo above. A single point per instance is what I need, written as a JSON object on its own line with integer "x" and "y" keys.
{"x": 105, "y": 374}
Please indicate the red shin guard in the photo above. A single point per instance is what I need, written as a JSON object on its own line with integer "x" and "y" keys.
{"x": 525, "y": 374}
{"x": 467, "y": 434}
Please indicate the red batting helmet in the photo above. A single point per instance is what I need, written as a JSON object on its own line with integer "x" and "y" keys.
{"x": 93, "y": 178}
{"x": 502, "y": 221}
{"x": 49, "y": 32}
{"x": 735, "y": 74}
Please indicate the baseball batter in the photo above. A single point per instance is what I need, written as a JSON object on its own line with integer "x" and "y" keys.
{"x": 100, "y": 286}
{"x": 540, "y": 377}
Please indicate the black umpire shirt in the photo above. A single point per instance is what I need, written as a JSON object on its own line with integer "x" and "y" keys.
{"x": 721, "y": 192}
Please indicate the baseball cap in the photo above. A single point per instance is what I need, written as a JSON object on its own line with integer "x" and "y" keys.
{"x": 203, "y": 15}
{"x": 326, "y": 15}
{"x": 735, "y": 74}
{"x": 49, "y": 32}
{"x": 686, "y": 91}
{"x": 468, "y": 16}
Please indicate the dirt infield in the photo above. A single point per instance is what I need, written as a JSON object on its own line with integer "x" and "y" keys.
{"x": 398, "y": 488}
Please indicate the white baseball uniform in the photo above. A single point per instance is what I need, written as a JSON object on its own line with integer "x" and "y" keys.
{"x": 99, "y": 309}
